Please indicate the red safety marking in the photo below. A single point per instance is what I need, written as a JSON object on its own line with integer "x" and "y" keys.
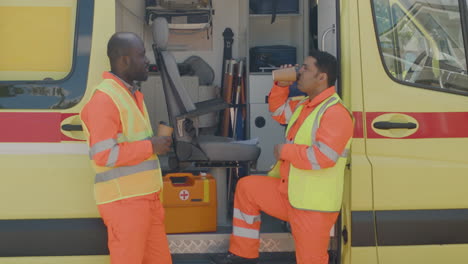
{"x": 45, "y": 127}
{"x": 32, "y": 127}
{"x": 358, "y": 128}
{"x": 431, "y": 125}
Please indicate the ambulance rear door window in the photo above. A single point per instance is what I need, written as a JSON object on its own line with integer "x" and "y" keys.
{"x": 44, "y": 52}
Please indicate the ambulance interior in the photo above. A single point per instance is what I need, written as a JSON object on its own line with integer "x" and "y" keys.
{"x": 314, "y": 26}
{"x": 317, "y": 28}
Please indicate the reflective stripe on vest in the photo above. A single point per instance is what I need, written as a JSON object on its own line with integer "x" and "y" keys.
{"x": 287, "y": 109}
{"x": 126, "y": 170}
{"x": 317, "y": 189}
{"x": 116, "y": 183}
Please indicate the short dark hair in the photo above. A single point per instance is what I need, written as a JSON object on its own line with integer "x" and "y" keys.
{"x": 326, "y": 63}
{"x": 119, "y": 45}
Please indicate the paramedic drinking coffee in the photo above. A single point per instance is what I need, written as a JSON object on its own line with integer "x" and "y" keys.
{"x": 307, "y": 182}
{"x": 123, "y": 152}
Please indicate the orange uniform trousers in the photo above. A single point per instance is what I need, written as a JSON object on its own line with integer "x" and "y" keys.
{"x": 310, "y": 229}
{"x": 136, "y": 233}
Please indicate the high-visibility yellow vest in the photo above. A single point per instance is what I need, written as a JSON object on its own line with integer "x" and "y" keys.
{"x": 316, "y": 189}
{"x": 115, "y": 183}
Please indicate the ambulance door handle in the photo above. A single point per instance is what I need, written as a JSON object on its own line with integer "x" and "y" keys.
{"x": 394, "y": 125}
{"x": 69, "y": 127}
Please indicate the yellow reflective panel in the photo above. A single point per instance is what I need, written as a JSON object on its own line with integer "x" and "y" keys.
{"x": 37, "y": 39}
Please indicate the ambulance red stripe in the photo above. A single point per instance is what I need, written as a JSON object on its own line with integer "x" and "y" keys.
{"x": 32, "y": 127}
{"x": 45, "y": 127}
{"x": 358, "y": 125}
{"x": 431, "y": 125}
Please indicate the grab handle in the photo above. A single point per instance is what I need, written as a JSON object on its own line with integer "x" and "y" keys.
{"x": 393, "y": 125}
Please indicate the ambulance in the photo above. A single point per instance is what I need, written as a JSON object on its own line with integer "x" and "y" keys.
{"x": 403, "y": 73}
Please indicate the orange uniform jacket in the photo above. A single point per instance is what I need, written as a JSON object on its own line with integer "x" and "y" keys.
{"x": 336, "y": 128}
{"x": 102, "y": 119}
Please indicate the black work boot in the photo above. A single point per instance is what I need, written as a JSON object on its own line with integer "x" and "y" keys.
{"x": 233, "y": 259}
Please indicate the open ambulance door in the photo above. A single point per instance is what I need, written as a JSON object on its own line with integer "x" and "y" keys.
{"x": 357, "y": 230}
{"x": 46, "y": 197}
{"x": 415, "y": 120}
{"x": 338, "y": 34}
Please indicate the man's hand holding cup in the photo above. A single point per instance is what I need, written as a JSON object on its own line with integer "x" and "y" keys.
{"x": 163, "y": 141}
{"x": 286, "y": 75}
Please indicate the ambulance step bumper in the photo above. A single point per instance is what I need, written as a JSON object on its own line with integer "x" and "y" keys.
{"x": 219, "y": 243}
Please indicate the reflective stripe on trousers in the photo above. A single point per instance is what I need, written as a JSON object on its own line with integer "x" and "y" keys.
{"x": 311, "y": 230}
{"x": 248, "y": 229}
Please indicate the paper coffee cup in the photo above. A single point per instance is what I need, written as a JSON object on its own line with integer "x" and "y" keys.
{"x": 164, "y": 130}
{"x": 285, "y": 75}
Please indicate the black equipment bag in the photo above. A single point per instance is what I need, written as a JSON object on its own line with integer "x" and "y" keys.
{"x": 271, "y": 56}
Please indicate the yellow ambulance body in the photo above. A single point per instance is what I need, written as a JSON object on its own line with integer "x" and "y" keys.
{"x": 403, "y": 74}
{"x": 47, "y": 210}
